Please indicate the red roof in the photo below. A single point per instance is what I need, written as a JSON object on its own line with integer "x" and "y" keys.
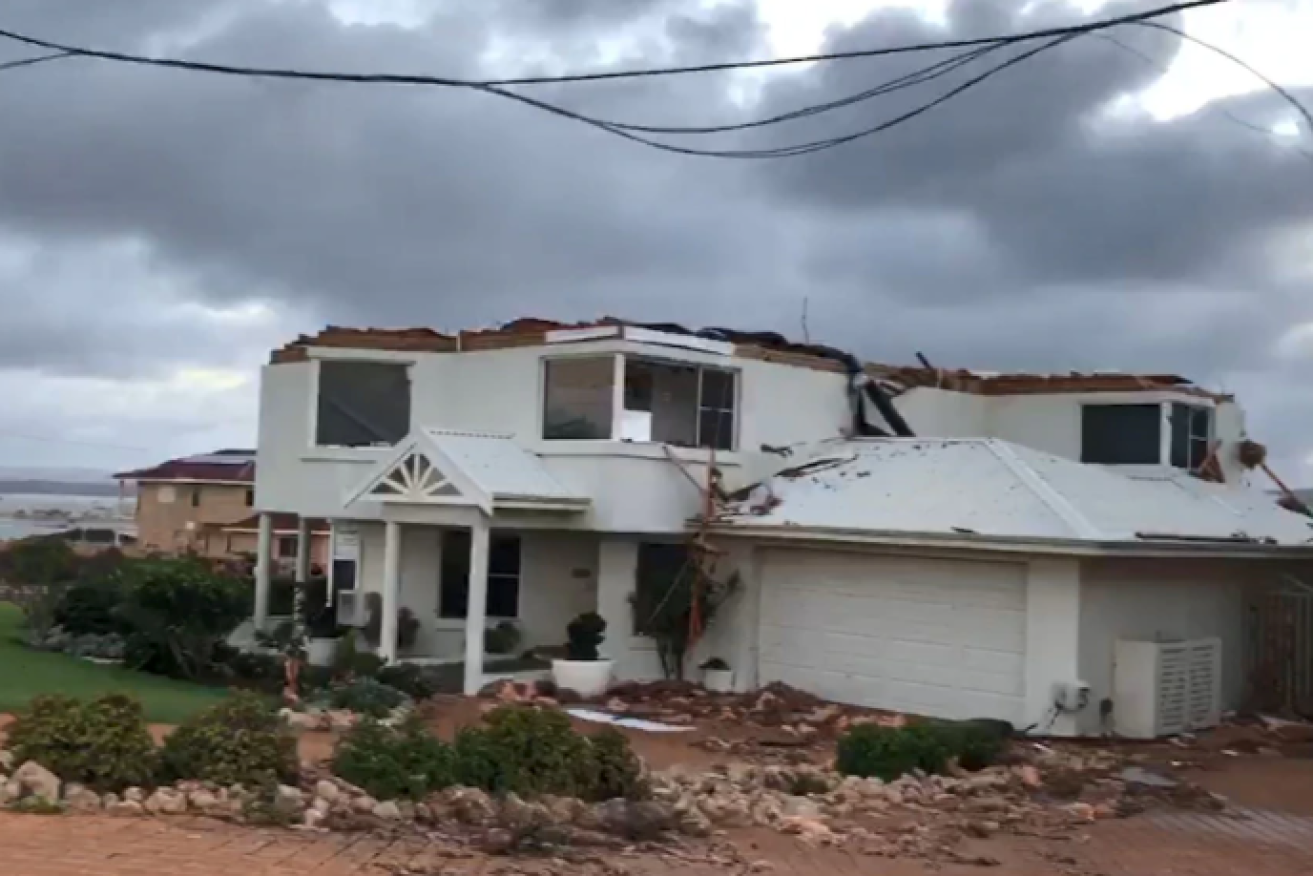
{"x": 206, "y": 469}
{"x": 282, "y": 523}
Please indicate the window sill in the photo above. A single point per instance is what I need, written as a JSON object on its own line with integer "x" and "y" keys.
{"x": 458, "y": 623}
{"x": 345, "y": 454}
{"x": 635, "y": 450}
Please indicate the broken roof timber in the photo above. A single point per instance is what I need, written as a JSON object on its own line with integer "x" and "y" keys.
{"x": 761, "y": 346}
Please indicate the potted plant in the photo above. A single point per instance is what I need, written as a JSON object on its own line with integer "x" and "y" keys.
{"x": 584, "y": 670}
{"x": 321, "y": 629}
{"x": 717, "y": 677}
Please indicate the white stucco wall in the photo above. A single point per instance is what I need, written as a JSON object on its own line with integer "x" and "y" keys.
{"x": 634, "y": 486}
{"x": 1161, "y": 599}
{"x": 939, "y": 413}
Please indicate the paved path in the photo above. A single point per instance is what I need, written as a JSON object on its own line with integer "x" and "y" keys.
{"x": 1265, "y": 844}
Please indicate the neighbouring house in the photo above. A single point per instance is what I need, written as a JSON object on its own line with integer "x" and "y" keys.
{"x": 1071, "y": 553}
{"x": 204, "y": 505}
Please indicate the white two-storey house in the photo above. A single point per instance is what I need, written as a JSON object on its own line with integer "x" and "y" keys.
{"x": 944, "y": 543}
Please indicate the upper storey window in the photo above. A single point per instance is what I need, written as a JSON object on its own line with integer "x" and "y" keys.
{"x": 362, "y": 404}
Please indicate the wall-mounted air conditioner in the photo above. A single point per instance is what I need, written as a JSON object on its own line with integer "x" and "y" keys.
{"x": 352, "y": 609}
{"x": 1165, "y": 688}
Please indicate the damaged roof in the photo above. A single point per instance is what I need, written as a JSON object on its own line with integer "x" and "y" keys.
{"x": 767, "y": 346}
{"x": 988, "y": 489}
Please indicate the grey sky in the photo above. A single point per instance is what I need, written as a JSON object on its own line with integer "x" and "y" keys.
{"x": 160, "y": 230}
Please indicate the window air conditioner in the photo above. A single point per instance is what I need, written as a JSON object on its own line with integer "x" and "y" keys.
{"x": 1166, "y": 688}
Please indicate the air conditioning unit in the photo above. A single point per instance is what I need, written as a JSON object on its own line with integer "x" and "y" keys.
{"x": 352, "y": 608}
{"x": 1166, "y": 688}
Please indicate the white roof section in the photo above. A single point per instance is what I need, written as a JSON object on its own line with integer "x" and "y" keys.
{"x": 984, "y": 488}
{"x": 444, "y": 467}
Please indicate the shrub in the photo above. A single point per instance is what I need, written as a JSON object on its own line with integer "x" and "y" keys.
{"x": 501, "y": 639}
{"x": 410, "y": 679}
{"x": 619, "y": 772}
{"x": 103, "y": 744}
{"x": 240, "y": 740}
{"x": 352, "y": 662}
{"x": 526, "y": 751}
{"x": 975, "y": 744}
{"x": 367, "y": 696}
{"x": 889, "y": 752}
{"x": 36, "y": 573}
{"x": 252, "y": 668}
{"x": 403, "y": 762}
{"x": 178, "y": 611}
{"x": 88, "y": 609}
{"x": 320, "y": 617}
{"x": 585, "y": 633}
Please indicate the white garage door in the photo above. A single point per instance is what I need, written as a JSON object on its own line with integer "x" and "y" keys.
{"x": 942, "y": 638}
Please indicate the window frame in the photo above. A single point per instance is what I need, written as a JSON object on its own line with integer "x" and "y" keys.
{"x": 620, "y": 366}
{"x": 1193, "y": 441}
{"x": 316, "y": 384}
{"x": 449, "y": 614}
{"x": 1157, "y": 456}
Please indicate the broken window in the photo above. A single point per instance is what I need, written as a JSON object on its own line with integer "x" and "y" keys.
{"x": 1192, "y": 432}
{"x": 362, "y": 404}
{"x": 503, "y": 575}
{"x": 578, "y": 398}
{"x": 1121, "y": 434}
{"x": 683, "y": 405}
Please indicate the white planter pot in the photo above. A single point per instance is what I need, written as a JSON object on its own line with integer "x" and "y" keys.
{"x": 321, "y": 652}
{"x": 588, "y": 678}
{"x": 718, "y": 680}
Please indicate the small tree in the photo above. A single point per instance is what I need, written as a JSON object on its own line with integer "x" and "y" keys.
{"x": 681, "y": 595}
{"x": 37, "y": 572}
{"x": 584, "y": 636}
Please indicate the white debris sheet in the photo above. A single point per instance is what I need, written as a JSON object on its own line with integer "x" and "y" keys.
{"x": 627, "y": 723}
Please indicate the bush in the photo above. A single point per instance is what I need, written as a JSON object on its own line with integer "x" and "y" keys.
{"x": 585, "y": 633}
{"x": 367, "y": 696}
{"x": 889, "y": 752}
{"x": 240, "y": 740}
{"x": 179, "y": 610}
{"x": 352, "y": 662}
{"x": 619, "y": 772}
{"x": 526, "y": 751}
{"x": 103, "y": 744}
{"x": 501, "y": 639}
{"x": 975, "y": 744}
{"x": 251, "y": 669}
{"x": 390, "y": 763}
{"x": 89, "y": 609}
{"x": 37, "y": 572}
{"x": 414, "y": 681}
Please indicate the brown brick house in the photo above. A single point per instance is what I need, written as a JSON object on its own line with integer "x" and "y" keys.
{"x": 205, "y": 505}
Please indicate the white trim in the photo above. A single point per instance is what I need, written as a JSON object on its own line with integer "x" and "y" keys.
{"x": 669, "y": 339}
{"x": 1165, "y": 434}
{"x": 618, "y": 375}
{"x": 636, "y": 450}
{"x": 569, "y": 336}
{"x": 193, "y": 481}
{"x": 361, "y": 354}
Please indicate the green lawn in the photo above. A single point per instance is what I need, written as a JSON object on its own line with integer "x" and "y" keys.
{"x": 25, "y": 673}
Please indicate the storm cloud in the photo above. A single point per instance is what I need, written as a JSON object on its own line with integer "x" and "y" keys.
{"x": 1042, "y": 221}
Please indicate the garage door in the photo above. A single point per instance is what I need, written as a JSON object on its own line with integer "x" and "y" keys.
{"x": 942, "y": 638}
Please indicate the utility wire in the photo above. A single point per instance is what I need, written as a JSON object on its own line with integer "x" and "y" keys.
{"x": 39, "y": 59}
{"x": 409, "y": 79}
{"x": 1144, "y": 56}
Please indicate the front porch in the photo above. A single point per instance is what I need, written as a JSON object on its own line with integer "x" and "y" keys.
{"x": 457, "y": 534}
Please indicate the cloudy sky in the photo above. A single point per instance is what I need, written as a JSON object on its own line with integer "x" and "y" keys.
{"x": 1100, "y": 206}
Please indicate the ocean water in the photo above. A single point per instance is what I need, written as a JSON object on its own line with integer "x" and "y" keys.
{"x": 100, "y": 511}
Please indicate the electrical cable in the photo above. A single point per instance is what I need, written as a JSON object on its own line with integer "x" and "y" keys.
{"x": 30, "y": 62}
{"x": 1144, "y": 56}
{"x": 408, "y": 79}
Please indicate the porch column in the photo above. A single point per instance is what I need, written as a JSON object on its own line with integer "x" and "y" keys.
{"x": 477, "y": 606}
{"x": 263, "y": 550}
{"x": 391, "y": 590}
{"x": 302, "y": 550}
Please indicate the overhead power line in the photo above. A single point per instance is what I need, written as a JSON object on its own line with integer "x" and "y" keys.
{"x": 980, "y": 48}
{"x": 411, "y": 79}
{"x": 30, "y": 62}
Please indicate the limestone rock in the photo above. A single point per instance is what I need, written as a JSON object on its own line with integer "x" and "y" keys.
{"x": 166, "y": 801}
{"x": 6, "y": 760}
{"x": 313, "y": 818}
{"x": 521, "y": 817}
{"x": 470, "y": 806}
{"x": 125, "y": 807}
{"x": 10, "y": 792}
{"x": 327, "y": 790}
{"x": 386, "y": 811}
{"x": 81, "y": 799}
{"x": 498, "y": 841}
{"x": 203, "y": 800}
{"x": 38, "y": 781}
{"x": 364, "y": 803}
{"x": 134, "y": 795}
{"x": 635, "y": 819}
